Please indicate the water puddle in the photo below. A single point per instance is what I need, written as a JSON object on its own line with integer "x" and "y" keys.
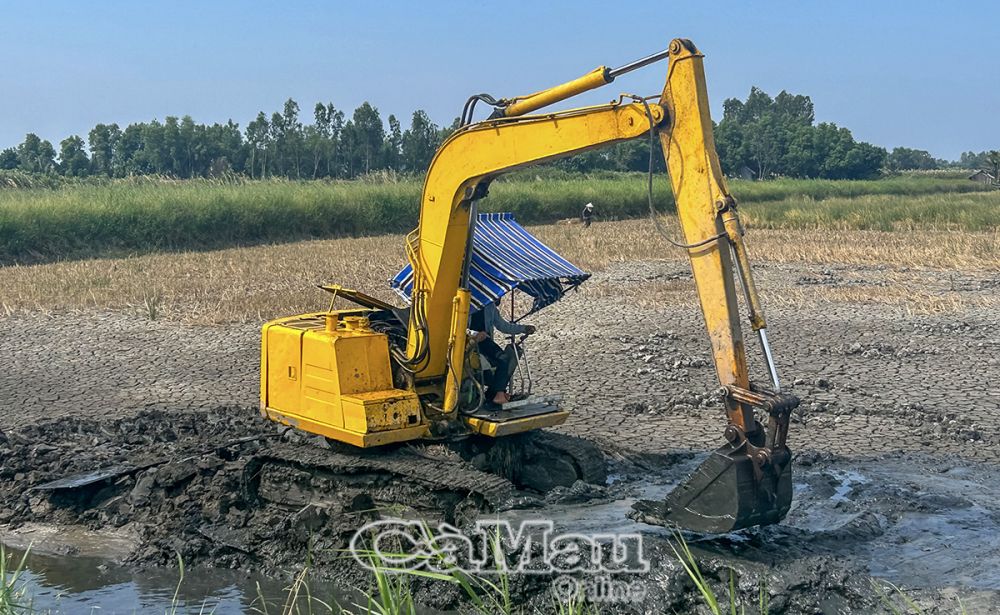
{"x": 76, "y": 583}
{"x": 927, "y": 526}
{"x": 905, "y": 521}
{"x": 848, "y": 479}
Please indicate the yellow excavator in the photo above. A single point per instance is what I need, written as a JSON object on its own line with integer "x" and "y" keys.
{"x": 378, "y": 375}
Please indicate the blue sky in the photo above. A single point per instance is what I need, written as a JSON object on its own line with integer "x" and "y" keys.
{"x": 917, "y": 74}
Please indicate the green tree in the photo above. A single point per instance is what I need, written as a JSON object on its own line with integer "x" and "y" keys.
{"x": 73, "y": 159}
{"x": 729, "y": 146}
{"x": 258, "y": 139}
{"x": 392, "y": 149}
{"x": 103, "y": 140}
{"x": 865, "y": 161}
{"x": 190, "y": 158}
{"x": 36, "y": 155}
{"x": 973, "y": 160}
{"x": 419, "y": 143}
{"x": 776, "y": 137}
{"x": 128, "y": 153}
{"x": 334, "y": 154}
{"x": 793, "y": 109}
{"x": 276, "y": 138}
{"x": 154, "y": 154}
{"x": 765, "y": 141}
{"x": 904, "y": 159}
{"x": 318, "y": 135}
{"x": 8, "y": 159}
{"x": 171, "y": 148}
{"x": 634, "y": 156}
{"x": 447, "y": 131}
{"x": 292, "y": 136}
{"x": 219, "y": 149}
{"x": 993, "y": 157}
{"x": 801, "y": 157}
{"x": 591, "y": 160}
{"x": 841, "y": 157}
{"x": 348, "y": 145}
{"x": 321, "y": 139}
{"x": 366, "y": 135}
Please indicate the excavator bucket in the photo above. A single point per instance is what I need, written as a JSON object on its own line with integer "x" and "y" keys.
{"x": 726, "y": 493}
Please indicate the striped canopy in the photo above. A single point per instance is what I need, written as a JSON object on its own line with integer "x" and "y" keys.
{"x": 506, "y": 257}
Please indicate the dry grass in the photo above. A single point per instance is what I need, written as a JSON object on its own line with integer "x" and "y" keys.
{"x": 906, "y": 296}
{"x": 636, "y": 240}
{"x": 257, "y": 283}
{"x": 233, "y": 285}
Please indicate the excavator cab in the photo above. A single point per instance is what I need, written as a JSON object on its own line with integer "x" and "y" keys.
{"x": 504, "y": 258}
{"x": 376, "y": 374}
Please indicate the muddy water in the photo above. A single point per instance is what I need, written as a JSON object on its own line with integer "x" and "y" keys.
{"x": 80, "y": 584}
{"x": 929, "y": 524}
{"x": 69, "y": 569}
{"x": 913, "y": 521}
{"x": 915, "y": 524}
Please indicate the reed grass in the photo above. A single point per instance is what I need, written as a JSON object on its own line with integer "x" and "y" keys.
{"x": 14, "y": 598}
{"x": 142, "y": 215}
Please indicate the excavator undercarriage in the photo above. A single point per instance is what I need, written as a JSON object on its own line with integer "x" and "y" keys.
{"x": 454, "y": 481}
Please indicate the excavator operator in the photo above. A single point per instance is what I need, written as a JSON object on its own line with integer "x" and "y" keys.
{"x": 503, "y": 360}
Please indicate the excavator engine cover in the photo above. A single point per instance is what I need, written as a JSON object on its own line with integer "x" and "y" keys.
{"x": 726, "y": 493}
{"x": 328, "y": 373}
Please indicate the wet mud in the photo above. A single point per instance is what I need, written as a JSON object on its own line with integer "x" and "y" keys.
{"x": 161, "y": 485}
{"x": 226, "y": 488}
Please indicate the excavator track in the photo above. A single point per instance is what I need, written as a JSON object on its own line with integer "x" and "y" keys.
{"x": 586, "y": 457}
{"x": 297, "y": 476}
{"x": 539, "y": 460}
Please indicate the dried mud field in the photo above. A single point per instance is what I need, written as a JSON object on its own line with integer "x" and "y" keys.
{"x": 895, "y": 442}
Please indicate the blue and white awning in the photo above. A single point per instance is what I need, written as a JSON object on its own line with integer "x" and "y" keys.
{"x": 506, "y": 257}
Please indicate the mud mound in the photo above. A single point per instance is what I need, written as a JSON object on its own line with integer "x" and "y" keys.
{"x": 810, "y": 585}
{"x": 226, "y": 488}
{"x": 164, "y": 476}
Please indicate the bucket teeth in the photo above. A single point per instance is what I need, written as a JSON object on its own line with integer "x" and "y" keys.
{"x": 724, "y": 494}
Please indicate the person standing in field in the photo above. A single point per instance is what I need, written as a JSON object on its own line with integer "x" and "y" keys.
{"x": 587, "y": 215}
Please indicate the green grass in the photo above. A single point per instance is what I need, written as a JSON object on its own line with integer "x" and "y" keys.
{"x": 14, "y": 596}
{"x": 137, "y": 216}
{"x": 881, "y": 212}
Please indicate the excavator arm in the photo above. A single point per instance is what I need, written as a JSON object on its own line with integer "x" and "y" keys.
{"x": 747, "y": 481}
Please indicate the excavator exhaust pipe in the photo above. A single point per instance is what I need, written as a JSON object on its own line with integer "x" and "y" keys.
{"x": 727, "y": 492}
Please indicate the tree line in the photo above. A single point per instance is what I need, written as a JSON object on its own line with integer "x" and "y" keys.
{"x": 279, "y": 145}
{"x": 777, "y": 137}
{"x": 761, "y": 137}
